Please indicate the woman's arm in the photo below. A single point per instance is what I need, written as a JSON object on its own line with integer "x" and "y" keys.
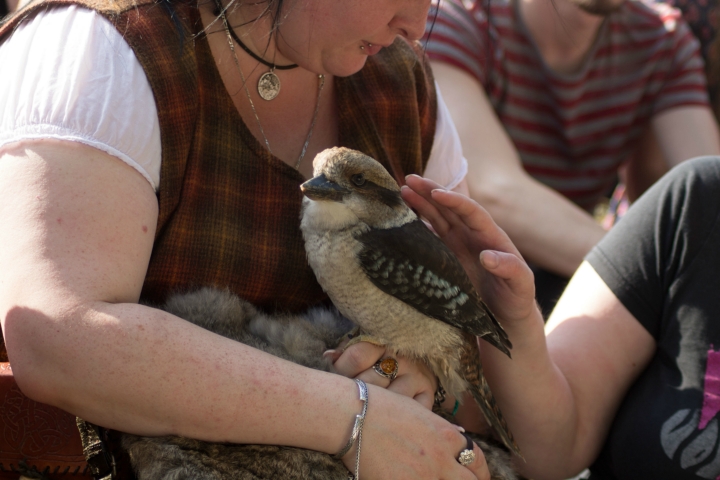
{"x": 560, "y": 395}
{"x": 78, "y": 230}
{"x": 561, "y": 233}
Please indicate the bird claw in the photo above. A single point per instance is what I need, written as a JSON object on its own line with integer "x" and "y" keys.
{"x": 356, "y": 336}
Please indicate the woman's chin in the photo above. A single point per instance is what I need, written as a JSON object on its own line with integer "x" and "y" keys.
{"x": 347, "y": 66}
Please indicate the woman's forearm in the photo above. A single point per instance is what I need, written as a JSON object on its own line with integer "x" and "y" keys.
{"x": 560, "y": 392}
{"x": 144, "y": 371}
{"x": 535, "y": 399}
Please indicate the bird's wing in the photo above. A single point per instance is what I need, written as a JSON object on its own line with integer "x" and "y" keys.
{"x": 413, "y": 265}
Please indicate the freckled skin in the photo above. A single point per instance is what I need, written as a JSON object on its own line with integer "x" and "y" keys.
{"x": 302, "y": 339}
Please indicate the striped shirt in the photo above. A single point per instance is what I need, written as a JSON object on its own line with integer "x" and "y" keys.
{"x": 572, "y": 131}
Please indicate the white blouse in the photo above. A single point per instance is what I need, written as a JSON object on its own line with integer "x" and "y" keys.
{"x": 68, "y": 74}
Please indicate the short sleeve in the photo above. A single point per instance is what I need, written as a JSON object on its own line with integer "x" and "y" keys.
{"x": 659, "y": 239}
{"x": 458, "y": 36}
{"x": 685, "y": 81}
{"x": 447, "y": 166}
{"x": 78, "y": 80}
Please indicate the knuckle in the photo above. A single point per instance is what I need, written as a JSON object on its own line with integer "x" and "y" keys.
{"x": 450, "y": 435}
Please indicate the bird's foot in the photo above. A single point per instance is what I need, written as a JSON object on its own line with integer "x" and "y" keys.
{"x": 356, "y": 336}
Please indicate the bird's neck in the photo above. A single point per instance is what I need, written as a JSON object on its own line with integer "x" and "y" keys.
{"x": 326, "y": 216}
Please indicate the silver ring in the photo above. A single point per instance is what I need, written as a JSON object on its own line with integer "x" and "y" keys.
{"x": 387, "y": 367}
{"x": 467, "y": 456}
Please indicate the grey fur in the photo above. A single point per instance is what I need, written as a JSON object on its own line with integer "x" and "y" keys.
{"x": 301, "y": 339}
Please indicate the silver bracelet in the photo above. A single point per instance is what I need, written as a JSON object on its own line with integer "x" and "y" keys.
{"x": 364, "y": 388}
{"x": 357, "y": 428}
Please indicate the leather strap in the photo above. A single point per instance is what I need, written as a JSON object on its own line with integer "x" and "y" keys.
{"x": 99, "y": 458}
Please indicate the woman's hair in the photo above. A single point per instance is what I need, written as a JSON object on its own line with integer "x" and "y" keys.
{"x": 273, "y": 9}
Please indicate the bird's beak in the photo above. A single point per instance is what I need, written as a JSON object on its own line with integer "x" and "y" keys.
{"x": 320, "y": 188}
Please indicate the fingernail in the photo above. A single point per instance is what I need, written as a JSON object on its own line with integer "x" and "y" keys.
{"x": 489, "y": 259}
{"x": 460, "y": 429}
{"x": 439, "y": 190}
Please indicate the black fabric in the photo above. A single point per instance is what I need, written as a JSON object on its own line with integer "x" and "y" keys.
{"x": 662, "y": 261}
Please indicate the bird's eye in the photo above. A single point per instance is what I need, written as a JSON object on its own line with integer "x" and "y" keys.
{"x": 358, "y": 179}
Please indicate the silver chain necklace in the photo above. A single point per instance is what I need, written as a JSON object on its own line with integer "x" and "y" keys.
{"x": 321, "y": 84}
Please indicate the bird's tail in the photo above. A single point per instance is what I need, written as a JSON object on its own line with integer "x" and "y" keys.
{"x": 472, "y": 370}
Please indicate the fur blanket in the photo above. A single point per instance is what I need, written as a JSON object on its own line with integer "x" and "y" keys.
{"x": 301, "y": 339}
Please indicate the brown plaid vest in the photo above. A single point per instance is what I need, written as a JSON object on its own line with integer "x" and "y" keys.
{"x": 229, "y": 210}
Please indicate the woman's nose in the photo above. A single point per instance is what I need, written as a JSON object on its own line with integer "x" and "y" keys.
{"x": 410, "y": 20}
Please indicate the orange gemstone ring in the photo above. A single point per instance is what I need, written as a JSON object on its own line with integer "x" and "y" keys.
{"x": 387, "y": 367}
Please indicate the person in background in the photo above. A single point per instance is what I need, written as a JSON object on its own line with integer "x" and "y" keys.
{"x": 551, "y": 97}
{"x": 703, "y": 18}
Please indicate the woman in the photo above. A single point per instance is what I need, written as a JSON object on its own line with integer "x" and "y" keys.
{"x": 141, "y": 154}
{"x": 626, "y": 382}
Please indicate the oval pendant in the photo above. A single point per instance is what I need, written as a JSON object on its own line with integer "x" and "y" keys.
{"x": 268, "y": 86}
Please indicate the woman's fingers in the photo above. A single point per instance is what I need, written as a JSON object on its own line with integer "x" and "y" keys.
{"x": 468, "y": 214}
{"x": 447, "y": 210}
{"x": 370, "y": 376}
{"x": 424, "y": 205}
{"x": 508, "y": 267}
{"x": 415, "y": 380}
{"x": 479, "y": 466}
{"x": 510, "y": 287}
{"x": 419, "y": 193}
{"x": 358, "y": 358}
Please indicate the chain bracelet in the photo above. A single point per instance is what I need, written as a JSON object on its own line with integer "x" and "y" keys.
{"x": 357, "y": 429}
{"x": 363, "y": 390}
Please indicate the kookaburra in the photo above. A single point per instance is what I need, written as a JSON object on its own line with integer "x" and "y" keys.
{"x": 388, "y": 273}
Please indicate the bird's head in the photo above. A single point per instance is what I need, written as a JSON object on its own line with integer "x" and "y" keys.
{"x": 350, "y": 187}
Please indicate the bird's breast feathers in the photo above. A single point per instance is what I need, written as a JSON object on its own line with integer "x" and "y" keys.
{"x": 333, "y": 258}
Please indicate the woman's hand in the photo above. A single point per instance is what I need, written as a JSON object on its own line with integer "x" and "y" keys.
{"x": 414, "y": 379}
{"x": 492, "y": 262}
{"x": 402, "y": 440}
